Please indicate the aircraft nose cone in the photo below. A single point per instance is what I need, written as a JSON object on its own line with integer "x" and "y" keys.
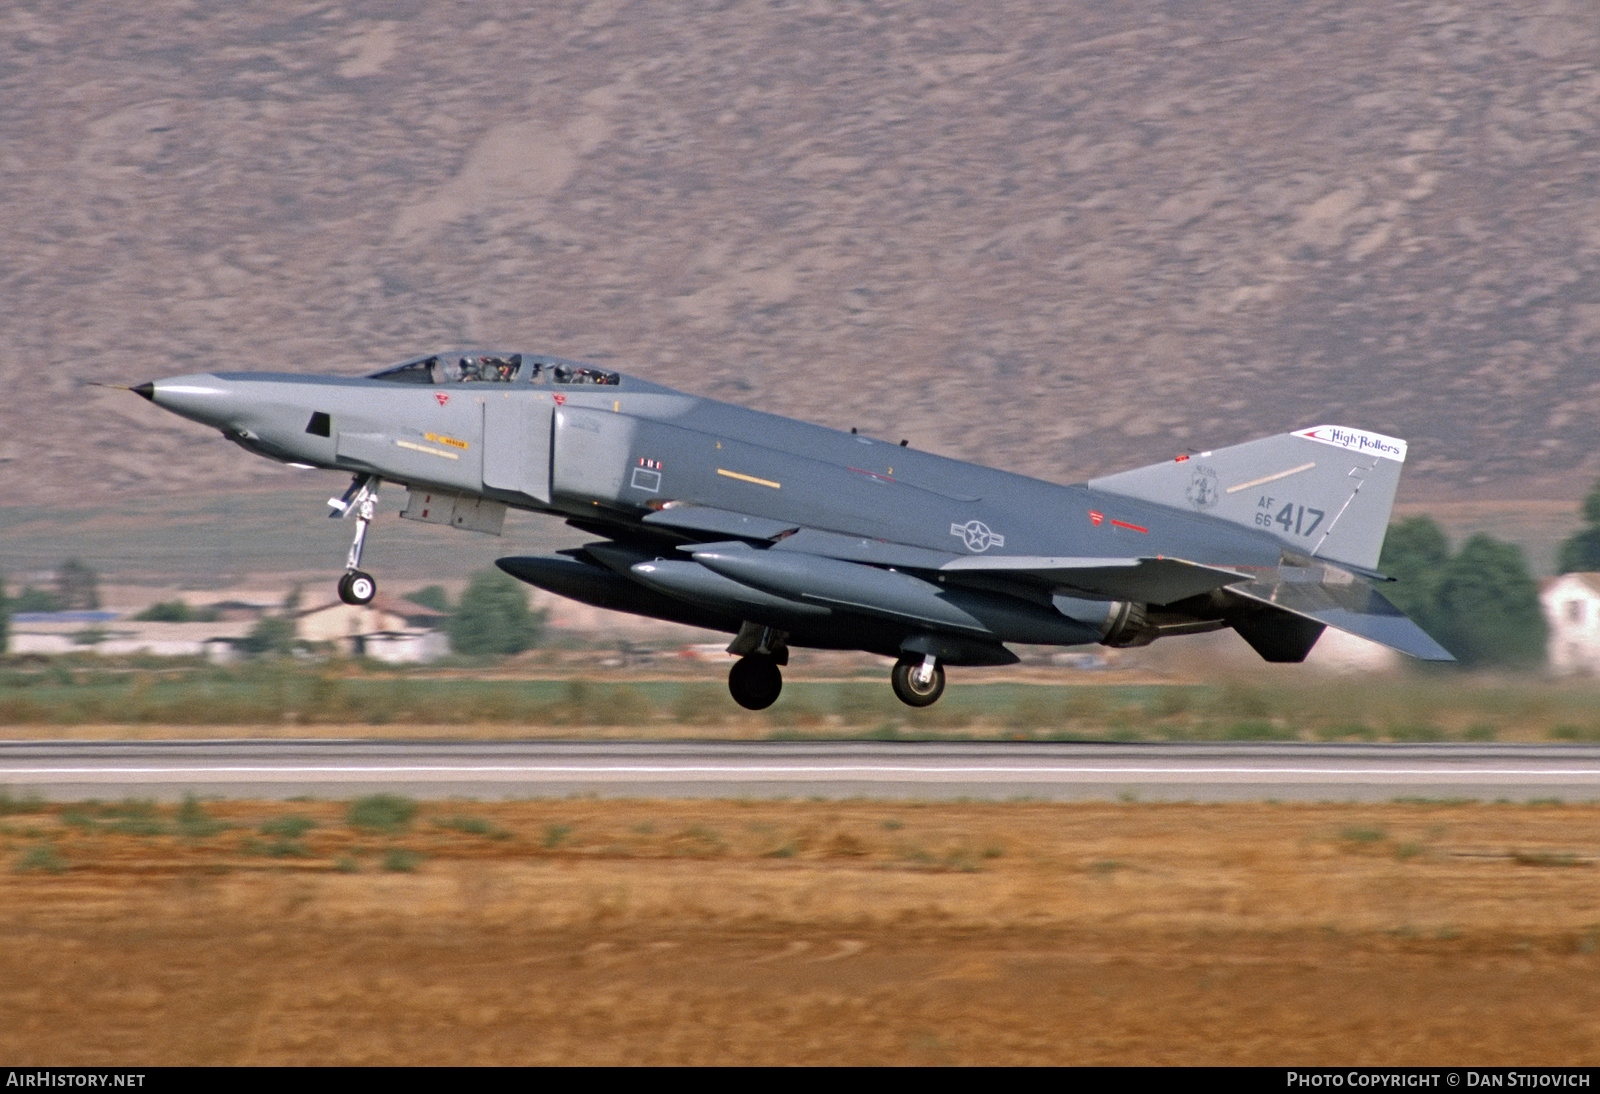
{"x": 203, "y": 398}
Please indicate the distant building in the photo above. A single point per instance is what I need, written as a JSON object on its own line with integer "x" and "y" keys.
{"x": 1571, "y": 605}
{"x": 102, "y": 633}
{"x": 1340, "y": 651}
{"x": 387, "y": 629}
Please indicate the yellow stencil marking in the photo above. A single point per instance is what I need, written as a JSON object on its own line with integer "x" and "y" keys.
{"x": 750, "y": 478}
{"x": 451, "y": 441}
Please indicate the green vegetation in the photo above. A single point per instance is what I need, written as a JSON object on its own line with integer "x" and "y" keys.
{"x": 399, "y": 860}
{"x": 10, "y": 806}
{"x": 1481, "y": 603}
{"x": 291, "y": 827}
{"x": 1581, "y": 553}
{"x": 193, "y": 821}
{"x": 494, "y": 618}
{"x": 77, "y": 586}
{"x": 1364, "y": 835}
{"x": 381, "y": 813}
{"x": 273, "y": 634}
{"x": 275, "y": 693}
{"x": 472, "y": 826}
{"x": 176, "y": 611}
{"x": 5, "y": 616}
{"x": 433, "y": 596}
{"x": 42, "y": 857}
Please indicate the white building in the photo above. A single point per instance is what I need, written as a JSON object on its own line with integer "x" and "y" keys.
{"x": 385, "y": 630}
{"x": 105, "y": 634}
{"x": 1571, "y": 605}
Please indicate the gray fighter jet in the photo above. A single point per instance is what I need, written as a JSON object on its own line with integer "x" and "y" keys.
{"x": 789, "y": 534}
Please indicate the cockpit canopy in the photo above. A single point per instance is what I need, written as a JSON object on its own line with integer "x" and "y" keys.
{"x": 493, "y": 368}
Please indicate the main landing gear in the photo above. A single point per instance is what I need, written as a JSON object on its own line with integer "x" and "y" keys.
{"x": 918, "y": 683}
{"x": 755, "y": 681}
{"x": 356, "y": 586}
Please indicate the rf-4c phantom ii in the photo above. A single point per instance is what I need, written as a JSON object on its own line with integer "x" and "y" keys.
{"x": 789, "y": 534}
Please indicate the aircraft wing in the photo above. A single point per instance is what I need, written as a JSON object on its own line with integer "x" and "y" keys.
{"x": 722, "y": 522}
{"x": 1148, "y": 580}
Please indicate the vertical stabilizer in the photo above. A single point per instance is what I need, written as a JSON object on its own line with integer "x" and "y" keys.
{"x": 1324, "y": 491}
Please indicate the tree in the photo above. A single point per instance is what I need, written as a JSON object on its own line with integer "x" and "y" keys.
{"x": 167, "y": 611}
{"x": 1414, "y": 554}
{"x": 272, "y": 634}
{"x": 36, "y": 600}
{"x": 493, "y": 617}
{"x": 432, "y": 596}
{"x": 1480, "y": 602}
{"x": 1488, "y": 606}
{"x": 1581, "y": 553}
{"x": 5, "y": 617}
{"x": 77, "y": 586}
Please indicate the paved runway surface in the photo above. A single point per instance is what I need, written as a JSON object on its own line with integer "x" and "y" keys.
{"x": 168, "y": 770}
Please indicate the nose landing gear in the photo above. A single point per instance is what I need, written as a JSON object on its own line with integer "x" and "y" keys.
{"x": 918, "y": 683}
{"x": 356, "y": 586}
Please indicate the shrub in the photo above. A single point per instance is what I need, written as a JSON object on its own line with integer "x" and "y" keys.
{"x": 381, "y": 813}
{"x": 400, "y": 861}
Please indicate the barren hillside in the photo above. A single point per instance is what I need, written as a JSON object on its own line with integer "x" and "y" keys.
{"x": 1061, "y": 237}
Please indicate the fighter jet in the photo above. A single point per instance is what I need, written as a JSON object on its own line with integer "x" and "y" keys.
{"x": 787, "y": 534}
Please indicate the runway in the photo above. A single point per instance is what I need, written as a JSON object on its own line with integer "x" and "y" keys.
{"x": 996, "y": 771}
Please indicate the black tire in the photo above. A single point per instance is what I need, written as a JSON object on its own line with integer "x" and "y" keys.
{"x": 754, "y": 682}
{"x": 906, "y": 688}
{"x": 357, "y": 587}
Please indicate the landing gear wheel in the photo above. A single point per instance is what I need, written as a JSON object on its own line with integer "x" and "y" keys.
{"x": 357, "y": 587}
{"x": 915, "y": 688}
{"x": 754, "y": 682}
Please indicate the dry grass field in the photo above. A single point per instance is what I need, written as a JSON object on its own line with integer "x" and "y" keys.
{"x": 651, "y": 932}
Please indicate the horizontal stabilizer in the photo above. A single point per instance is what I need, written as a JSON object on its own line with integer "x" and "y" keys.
{"x": 1354, "y": 607}
{"x": 1147, "y": 580}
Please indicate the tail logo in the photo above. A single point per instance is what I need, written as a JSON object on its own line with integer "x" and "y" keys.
{"x": 1358, "y": 440}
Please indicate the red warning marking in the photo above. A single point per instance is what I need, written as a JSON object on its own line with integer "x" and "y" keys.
{"x": 561, "y": 400}
{"x": 1130, "y": 527}
{"x": 1179, "y": 459}
{"x": 1096, "y": 518}
{"x": 442, "y": 397}
{"x": 872, "y": 474}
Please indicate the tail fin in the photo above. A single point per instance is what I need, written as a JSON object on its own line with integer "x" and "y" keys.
{"x": 1325, "y": 491}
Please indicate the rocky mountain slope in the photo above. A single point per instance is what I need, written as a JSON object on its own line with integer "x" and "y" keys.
{"x": 1062, "y": 237}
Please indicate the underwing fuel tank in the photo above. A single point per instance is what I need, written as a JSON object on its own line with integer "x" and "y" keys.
{"x": 605, "y": 589}
{"x": 689, "y": 581}
{"x": 889, "y": 594}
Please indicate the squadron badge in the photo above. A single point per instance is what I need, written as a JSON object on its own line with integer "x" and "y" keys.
{"x": 1203, "y": 492}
